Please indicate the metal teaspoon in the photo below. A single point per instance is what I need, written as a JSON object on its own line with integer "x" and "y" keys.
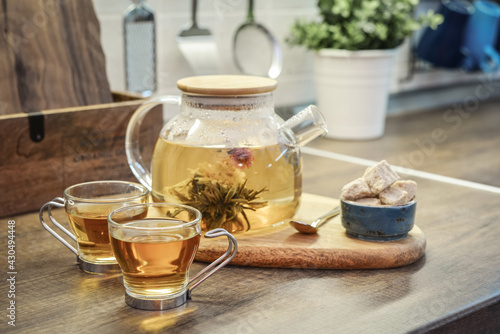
{"x": 313, "y": 227}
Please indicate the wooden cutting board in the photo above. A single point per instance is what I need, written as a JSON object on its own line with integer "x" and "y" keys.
{"x": 331, "y": 248}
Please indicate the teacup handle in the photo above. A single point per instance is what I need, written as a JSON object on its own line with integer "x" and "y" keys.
{"x": 219, "y": 263}
{"x": 57, "y": 202}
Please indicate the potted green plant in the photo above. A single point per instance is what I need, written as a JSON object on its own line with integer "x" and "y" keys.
{"x": 355, "y": 43}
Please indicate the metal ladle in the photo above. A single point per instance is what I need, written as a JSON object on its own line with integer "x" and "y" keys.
{"x": 313, "y": 227}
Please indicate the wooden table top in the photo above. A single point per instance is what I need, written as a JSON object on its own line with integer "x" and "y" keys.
{"x": 456, "y": 283}
{"x": 460, "y": 141}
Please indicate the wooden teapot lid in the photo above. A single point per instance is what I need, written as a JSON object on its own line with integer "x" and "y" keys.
{"x": 226, "y": 85}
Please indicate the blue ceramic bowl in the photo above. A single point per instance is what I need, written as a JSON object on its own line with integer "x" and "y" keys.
{"x": 377, "y": 223}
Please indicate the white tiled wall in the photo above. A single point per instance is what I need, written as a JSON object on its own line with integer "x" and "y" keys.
{"x": 222, "y": 17}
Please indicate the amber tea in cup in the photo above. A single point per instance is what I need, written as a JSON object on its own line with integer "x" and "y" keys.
{"x": 155, "y": 252}
{"x": 87, "y": 206}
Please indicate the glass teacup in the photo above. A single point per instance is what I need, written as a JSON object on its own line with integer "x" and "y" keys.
{"x": 87, "y": 206}
{"x": 155, "y": 245}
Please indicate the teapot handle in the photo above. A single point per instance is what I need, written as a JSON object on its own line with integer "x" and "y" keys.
{"x": 132, "y": 147}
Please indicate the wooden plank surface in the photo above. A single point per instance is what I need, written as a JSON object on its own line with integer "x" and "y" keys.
{"x": 54, "y": 49}
{"x": 456, "y": 281}
{"x": 458, "y": 141}
{"x": 80, "y": 144}
{"x": 9, "y": 96}
{"x": 457, "y": 275}
{"x": 283, "y": 247}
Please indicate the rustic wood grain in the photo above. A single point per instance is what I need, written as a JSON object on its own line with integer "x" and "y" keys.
{"x": 457, "y": 276}
{"x": 80, "y": 144}
{"x": 283, "y": 247}
{"x": 486, "y": 320}
{"x": 54, "y": 48}
{"x": 9, "y": 96}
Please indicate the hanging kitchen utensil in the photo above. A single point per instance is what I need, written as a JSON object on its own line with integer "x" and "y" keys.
{"x": 198, "y": 46}
{"x": 140, "y": 48}
{"x": 255, "y": 50}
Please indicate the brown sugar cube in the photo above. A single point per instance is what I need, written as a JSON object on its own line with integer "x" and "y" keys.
{"x": 356, "y": 189}
{"x": 407, "y": 185}
{"x": 371, "y": 201}
{"x": 393, "y": 196}
{"x": 380, "y": 177}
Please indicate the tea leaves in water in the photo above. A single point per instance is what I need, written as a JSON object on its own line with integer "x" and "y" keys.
{"x": 235, "y": 188}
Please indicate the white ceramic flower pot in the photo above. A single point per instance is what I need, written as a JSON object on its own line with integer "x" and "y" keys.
{"x": 352, "y": 89}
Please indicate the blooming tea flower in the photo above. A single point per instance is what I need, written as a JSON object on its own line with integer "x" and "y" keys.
{"x": 242, "y": 157}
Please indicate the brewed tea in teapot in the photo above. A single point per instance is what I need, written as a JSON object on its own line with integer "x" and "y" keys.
{"x": 227, "y": 153}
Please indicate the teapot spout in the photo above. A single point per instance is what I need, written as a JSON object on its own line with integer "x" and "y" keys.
{"x": 303, "y": 127}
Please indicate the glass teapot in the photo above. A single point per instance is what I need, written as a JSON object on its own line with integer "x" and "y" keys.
{"x": 227, "y": 153}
